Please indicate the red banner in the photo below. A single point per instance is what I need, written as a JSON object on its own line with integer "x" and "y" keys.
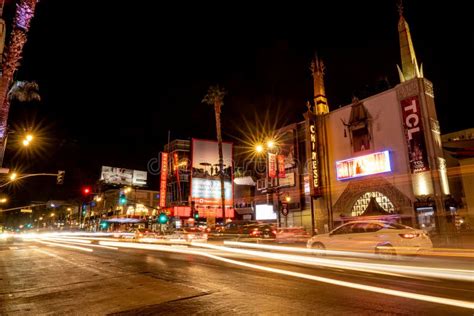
{"x": 163, "y": 178}
{"x": 176, "y": 170}
{"x": 281, "y": 166}
{"x": 412, "y": 121}
{"x": 272, "y": 165}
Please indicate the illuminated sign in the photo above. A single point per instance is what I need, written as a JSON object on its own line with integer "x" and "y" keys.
{"x": 314, "y": 159}
{"x": 281, "y": 166}
{"x": 412, "y": 122}
{"x": 208, "y": 191}
{"x": 163, "y": 178}
{"x": 206, "y": 174}
{"x": 363, "y": 166}
{"x": 122, "y": 176}
{"x": 272, "y": 165}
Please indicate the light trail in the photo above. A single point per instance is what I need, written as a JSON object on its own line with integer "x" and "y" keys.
{"x": 65, "y": 246}
{"x": 409, "y": 295}
{"x": 450, "y": 274}
{"x": 80, "y": 242}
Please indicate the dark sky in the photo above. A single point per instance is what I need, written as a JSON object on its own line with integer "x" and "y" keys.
{"x": 115, "y": 78}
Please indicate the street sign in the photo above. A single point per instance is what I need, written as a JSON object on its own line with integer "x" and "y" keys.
{"x": 4, "y": 170}
{"x": 26, "y": 210}
{"x": 284, "y": 209}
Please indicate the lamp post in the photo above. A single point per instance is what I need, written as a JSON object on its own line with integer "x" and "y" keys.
{"x": 272, "y": 148}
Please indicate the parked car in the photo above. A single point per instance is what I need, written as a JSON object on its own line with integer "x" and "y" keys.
{"x": 383, "y": 238}
{"x": 292, "y": 235}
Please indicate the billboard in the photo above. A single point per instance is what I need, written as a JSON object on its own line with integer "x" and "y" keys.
{"x": 205, "y": 183}
{"x": 122, "y": 176}
{"x": 363, "y": 166}
{"x": 417, "y": 153}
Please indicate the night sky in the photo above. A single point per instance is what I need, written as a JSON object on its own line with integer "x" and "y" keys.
{"x": 115, "y": 78}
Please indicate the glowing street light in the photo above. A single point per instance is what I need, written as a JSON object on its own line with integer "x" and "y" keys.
{"x": 3, "y": 200}
{"x": 259, "y": 148}
{"x": 51, "y": 215}
{"x": 13, "y": 176}
{"x": 29, "y": 137}
{"x": 270, "y": 144}
{"x": 288, "y": 198}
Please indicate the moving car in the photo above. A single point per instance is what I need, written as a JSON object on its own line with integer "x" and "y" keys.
{"x": 187, "y": 234}
{"x": 259, "y": 231}
{"x": 380, "y": 237}
{"x": 292, "y": 235}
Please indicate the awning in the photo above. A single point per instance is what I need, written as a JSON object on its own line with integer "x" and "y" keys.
{"x": 244, "y": 210}
{"x": 244, "y": 181}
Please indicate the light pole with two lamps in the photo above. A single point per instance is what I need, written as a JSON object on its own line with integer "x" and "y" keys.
{"x": 272, "y": 148}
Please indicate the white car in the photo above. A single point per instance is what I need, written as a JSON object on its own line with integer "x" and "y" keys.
{"x": 383, "y": 238}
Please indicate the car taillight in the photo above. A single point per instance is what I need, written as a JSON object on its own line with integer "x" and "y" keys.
{"x": 274, "y": 231}
{"x": 408, "y": 236}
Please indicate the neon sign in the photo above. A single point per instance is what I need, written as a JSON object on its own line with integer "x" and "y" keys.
{"x": 314, "y": 159}
{"x": 375, "y": 163}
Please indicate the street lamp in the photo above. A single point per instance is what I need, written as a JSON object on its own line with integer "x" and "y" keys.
{"x": 3, "y": 200}
{"x": 27, "y": 140}
{"x": 272, "y": 147}
{"x": 13, "y": 176}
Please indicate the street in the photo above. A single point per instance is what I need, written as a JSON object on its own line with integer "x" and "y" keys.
{"x": 45, "y": 277}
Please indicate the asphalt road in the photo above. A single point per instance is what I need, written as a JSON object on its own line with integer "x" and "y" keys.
{"x": 43, "y": 279}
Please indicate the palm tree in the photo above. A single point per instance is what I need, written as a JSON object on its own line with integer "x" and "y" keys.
{"x": 24, "y": 91}
{"x": 25, "y": 10}
{"x": 215, "y": 96}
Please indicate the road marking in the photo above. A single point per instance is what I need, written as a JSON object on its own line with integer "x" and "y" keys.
{"x": 13, "y": 248}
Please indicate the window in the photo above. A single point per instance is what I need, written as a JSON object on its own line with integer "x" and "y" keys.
{"x": 396, "y": 226}
{"x": 372, "y": 227}
{"x": 363, "y": 201}
{"x": 344, "y": 229}
{"x": 358, "y": 228}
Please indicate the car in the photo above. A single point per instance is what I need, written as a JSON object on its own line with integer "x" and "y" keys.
{"x": 386, "y": 239}
{"x": 292, "y": 235}
{"x": 259, "y": 231}
{"x": 187, "y": 234}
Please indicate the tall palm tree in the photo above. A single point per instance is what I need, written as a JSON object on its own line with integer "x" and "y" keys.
{"x": 215, "y": 96}
{"x": 25, "y": 10}
{"x": 24, "y": 91}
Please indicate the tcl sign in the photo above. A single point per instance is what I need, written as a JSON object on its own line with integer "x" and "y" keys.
{"x": 413, "y": 124}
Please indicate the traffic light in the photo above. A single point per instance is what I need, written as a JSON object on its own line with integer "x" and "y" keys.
{"x": 122, "y": 199}
{"x": 196, "y": 215}
{"x": 103, "y": 225}
{"x": 163, "y": 218}
{"x": 86, "y": 190}
{"x": 84, "y": 209}
{"x": 60, "y": 177}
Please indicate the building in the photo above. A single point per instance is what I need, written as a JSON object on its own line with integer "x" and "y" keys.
{"x": 459, "y": 152}
{"x": 121, "y": 206}
{"x": 380, "y": 157}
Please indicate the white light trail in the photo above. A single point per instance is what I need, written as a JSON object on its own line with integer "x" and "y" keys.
{"x": 65, "y": 246}
{"x": 450, "y": 274}
{"x": 414, "y": 296}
